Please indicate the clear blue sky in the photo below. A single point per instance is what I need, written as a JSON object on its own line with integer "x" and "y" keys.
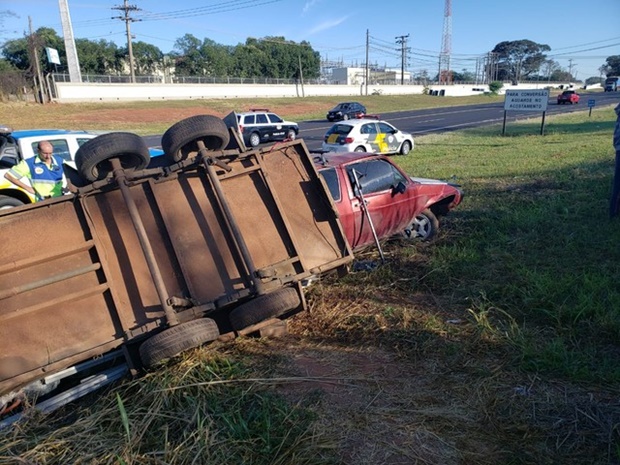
{"x": 581, "y": 34}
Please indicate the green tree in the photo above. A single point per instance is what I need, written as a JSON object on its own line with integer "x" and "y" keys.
{"x": 147, "y": 58}
{"x": 612, "y": 66}
{"x": 97, "y": 57}
{"x": 187, "y": 57}
{"x": 519, "y": 59}
{"x": 495, "y": 86}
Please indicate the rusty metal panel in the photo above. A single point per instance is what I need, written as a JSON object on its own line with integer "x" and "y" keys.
{"x": 306, "y": 207}
{"x": 54, "y": 299}
{"x": 131, "y": 283}
{"x": 199, "y": 236}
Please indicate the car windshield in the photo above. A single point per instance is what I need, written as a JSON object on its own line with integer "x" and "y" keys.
{"x": 342, "y": 129}
{"x": 341, "y": 106}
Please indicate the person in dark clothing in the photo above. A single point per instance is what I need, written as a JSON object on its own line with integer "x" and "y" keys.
{"x": 614, "y": 204}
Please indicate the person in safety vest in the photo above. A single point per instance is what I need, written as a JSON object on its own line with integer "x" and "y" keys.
{"x": 44, "y": 171}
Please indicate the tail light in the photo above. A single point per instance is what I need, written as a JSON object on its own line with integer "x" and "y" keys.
{"x": 241, "y": 128}
{"x": 348, "y": 140}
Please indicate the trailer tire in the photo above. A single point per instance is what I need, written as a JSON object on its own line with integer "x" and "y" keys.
{"x": 9, "y": 202}
{"x": 264, "y": 307}
{"x": 176, "y": 339}
{"x": 181, "y": 138}
{"x": 92, "y": 159}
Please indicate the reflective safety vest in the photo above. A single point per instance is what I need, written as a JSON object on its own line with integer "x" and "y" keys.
{"x": 46, "y": 182}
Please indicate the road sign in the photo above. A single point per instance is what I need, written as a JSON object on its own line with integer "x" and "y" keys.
{"x": 591, "y": 102}
{"x": 526, "y": 100}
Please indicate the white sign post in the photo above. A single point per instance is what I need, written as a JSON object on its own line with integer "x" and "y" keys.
{"x": 526, "y": 100}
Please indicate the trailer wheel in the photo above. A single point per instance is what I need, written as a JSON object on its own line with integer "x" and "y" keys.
{"x": 176, "y": 339}
{"x": 264, "y": 307}
{"x": 180, "y": 140}
{"x": 92, "y": 159}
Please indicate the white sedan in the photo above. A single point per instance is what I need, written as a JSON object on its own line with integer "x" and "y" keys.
{"x": 367, "y": 135}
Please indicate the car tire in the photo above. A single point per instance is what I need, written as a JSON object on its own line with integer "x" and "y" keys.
{"x": 424, "y": 227}
{"x": 254, "y": 139}
{"x": 181, "y": 139}
{"x": 9, "y": 202}
{"x": 174, "y": 340}
{"x": 291, "y": 134}
{"x": 92, "y": 159}
{"x": 360, "y": 148}
{"x": 405, "y": 148}
{"x": 263, "y": 307}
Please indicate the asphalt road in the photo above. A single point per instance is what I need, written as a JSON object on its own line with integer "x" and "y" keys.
{"x": 420, "y": 122}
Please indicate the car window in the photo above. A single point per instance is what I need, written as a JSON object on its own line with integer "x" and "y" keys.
{"x": 61, "y": 148}
{"x": 261, "y": 118}
{"x": 385, "y": 128}
{"x": 249, "y": 119}
{"x": 375, "y": 175}
{"x": 80, "y": 141}
{"x": 275, "y": 118}
{"x": 331, "y": 179}
{"x": 370, "y": 128}
{"x": 342, "y": 129}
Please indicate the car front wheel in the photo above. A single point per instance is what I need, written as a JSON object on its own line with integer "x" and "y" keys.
{"x": 424, "y": 227}
{"x": 291, "y": 134}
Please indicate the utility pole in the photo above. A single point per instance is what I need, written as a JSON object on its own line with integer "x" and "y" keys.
{"x": 126, "y": 8}
{"x": 73, "y": 63}
{"x": 402, "y": 40}
{"x": 367, "y": 65}
{"x": 33, "y": 42}
{"x": 570, "y": 67}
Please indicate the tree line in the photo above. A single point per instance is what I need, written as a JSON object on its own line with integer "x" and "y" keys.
{"x": 268, "y": 57}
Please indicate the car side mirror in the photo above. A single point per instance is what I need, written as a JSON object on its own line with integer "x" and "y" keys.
{"x": 400, "y": 188}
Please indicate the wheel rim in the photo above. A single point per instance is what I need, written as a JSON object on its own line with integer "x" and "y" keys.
{"x": 360, "y": 149}
{"x": 254, "y": 140}
{"x": 406, "y": 148}
{"x": 421, "y": 227}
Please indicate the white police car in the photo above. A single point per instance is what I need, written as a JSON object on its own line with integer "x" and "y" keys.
{"x": 259, "y": 125}
{"x": 367, "y": 135}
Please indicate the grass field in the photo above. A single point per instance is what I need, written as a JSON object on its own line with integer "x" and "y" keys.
{"x": 497, "y": 343}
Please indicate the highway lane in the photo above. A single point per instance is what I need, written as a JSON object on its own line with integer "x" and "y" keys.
{"x": 437, "y": 120}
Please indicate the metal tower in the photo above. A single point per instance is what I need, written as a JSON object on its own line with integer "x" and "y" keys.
{"x": 67, "y": 30}
{"x": 445, "y": 74}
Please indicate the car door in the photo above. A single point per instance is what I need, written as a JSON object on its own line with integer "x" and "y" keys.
{"x": 276, "y": 127}
{"x": 390, "y": 211}
{"x": 388, "y": 139}
{"x": 369, "y": 135}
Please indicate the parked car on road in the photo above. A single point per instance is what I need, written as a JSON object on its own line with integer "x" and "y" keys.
{"x": 396, "y": 203}
{"x": 367, "y": 135}
{"x": 568, "y": 96}
{"x": 346, "y": 111}
{"x": 16, "y": 146}
{"x": 259, "y": 125}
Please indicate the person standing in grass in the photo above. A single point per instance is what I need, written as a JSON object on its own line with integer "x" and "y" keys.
{"x": 614, "y": 204}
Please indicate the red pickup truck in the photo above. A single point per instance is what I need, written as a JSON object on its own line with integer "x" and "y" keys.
{"x": 374, "y": 197}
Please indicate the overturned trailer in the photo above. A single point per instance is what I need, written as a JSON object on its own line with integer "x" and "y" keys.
{"x": 144, "y": 260}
